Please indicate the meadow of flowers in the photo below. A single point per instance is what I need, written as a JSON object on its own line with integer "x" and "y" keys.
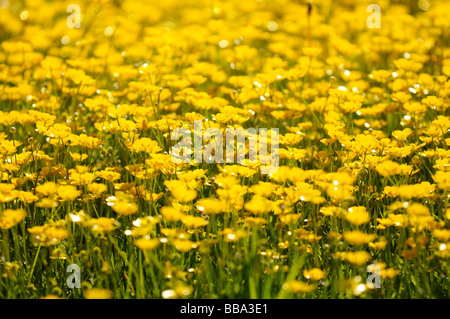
{"x": 87, "y": 176}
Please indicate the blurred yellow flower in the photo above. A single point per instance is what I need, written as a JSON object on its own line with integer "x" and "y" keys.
{"x": 356, "y": 237}
{"x": 210, "y": 206}
{"x": 68, "y": 192}
{"x": 354, "y": 257}
{"x": 98, "y": 293}
{"x": 171, "y": 214}
{"x": 146, "y": 243}
{"x": 11, "y": 217}
{"x": 298, "y": 287}
{"x": 357, "y": 215}
{"x": 314, "y": 274}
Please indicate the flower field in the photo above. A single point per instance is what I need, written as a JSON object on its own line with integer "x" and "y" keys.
{"x": 93, "y": 204}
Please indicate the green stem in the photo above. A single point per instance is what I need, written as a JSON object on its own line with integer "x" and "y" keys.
{"x": 34, "y": 264}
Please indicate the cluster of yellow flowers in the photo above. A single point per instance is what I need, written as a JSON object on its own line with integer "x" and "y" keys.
{"x": 87, "y": 116}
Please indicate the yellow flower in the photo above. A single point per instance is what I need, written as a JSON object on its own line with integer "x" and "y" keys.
{"x": 442, "y": 234}
{"x": 417, "y": 209}
{"x": 330, "y": 211}
{"x": 184, "y": 245}
{"x": 402, "y": 135}
{"x": 51, "y": 296}
{"x": 422, "y": 190}
{"x": 143, "y": 226}
{"x": 183, "y": 290}
{"x": 381, "y": 75}
{"x": 414, "y": 107}
{"x": 210, "y": 206}
{"x": 350, "y": 106}
{"x": 110, "y": 174}
{"x": 97, "y": 188}
{"x": 433, "y": 102}
{"x": 291, "y": 139}
{"x": 409, "y": 254}
{"x": 282, "y": 174}
{"x": 98, "y": 293}
{"x": 191, "y": 175}
{"x": 27, "y": 197}
{"x": 102, "y": 224}
{"x": 408, "y": 65}
{"x": 7, "y": 147}
{"x": 399, "y": 220}
{"x": 264, "y": 189}
{"x": 442, "y": 179}
{"x": 11, "y": 217}
{"x": 180, "y": 191}
{"x": 81, "y": 176}
{"x": 58, "y": 131}
{"x": 311, "y": 51}
{"x": 307, "y": 235}
{"x": 258, "y": 205}
{"x": 78, "y": 157}
{"x": 357, "y": 215}
{"x": 314, "y": 274}
{"x": 145, "y": 144}
{"x": 340, "y": 193}
{"x": 171, "y": 214}
{"x": 68, "y": 192}
{"x": 147, "y": 243}
{"x": 290, "y": 218}
{"x": 388, "y": 168}
{"x": 254, "y": 220}
{"x": 231, "y": 235}
{"x": 47, "y": 203}
{"x": 354, "y": 257}
{"x": 56, "y": 233}
{"x": 356, "y": 237}
{"x": 122, "y": 203}
{"x": 379, "y": 245}
{"x": 298, "y": 287}
{"x": 389, "y": 273}
{"x": 125, "y": 207}
{"x": 46, "y": 189}
{"x": 49, "y": 234}
{"x": 175, "y": 233}
{"x": 193, "y": 221}
{"x": 89, "y": 142}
